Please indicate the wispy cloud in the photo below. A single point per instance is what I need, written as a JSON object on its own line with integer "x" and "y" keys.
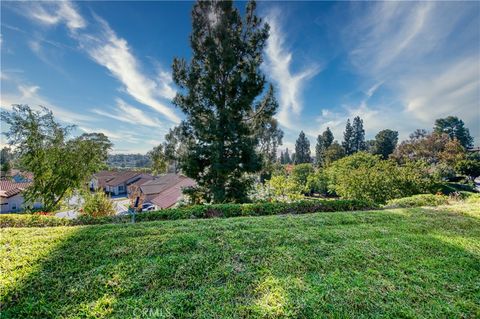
{"x": 278, "y": 66}
{"x": 30, "y": 94}
{"x": 114, "y": 53}
{"x": 52, "y": 13}
{"x": 109, "y": 50}
{"x": 129, "y": 114}
{"x": 424, "y": 54}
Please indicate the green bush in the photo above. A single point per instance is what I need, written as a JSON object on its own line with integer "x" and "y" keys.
{"x": 300, "y": 173}
{"x": 317, "y": 183}
{"x": 419, "y": 200}
{"x": 198, "y": 211}
{"x": 97, "y": 204}
{"x": 31, "y": 220}
{"x": 366, "y": 177}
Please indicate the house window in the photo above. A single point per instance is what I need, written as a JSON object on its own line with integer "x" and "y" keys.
{"x": 14, "y": 206}
{"x": 120, "y": 188}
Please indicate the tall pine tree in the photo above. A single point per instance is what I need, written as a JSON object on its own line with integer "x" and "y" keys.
{"x": 219, "y": 94}
{"x": 319, "y": 150}
{"x": 302, "y": 149}
{"x": 348, "y": 139}
{"x": 358, "y": 142}
{"x": 324, "y": 141}
{"x": 327, "y": 136}
{"x": 287, "y": 158}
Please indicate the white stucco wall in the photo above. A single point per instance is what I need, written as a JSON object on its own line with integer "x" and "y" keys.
{"x": 14, "y": 204}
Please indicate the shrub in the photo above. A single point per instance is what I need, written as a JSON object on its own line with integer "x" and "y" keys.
{"x": 199, "y": 211}
{"x": 366, "y": 177}
{"x": 300, "y": 173}
{"x": 31, "y": 220}
{"x": 284, "y": 188}
{"x": 317, "y": 183}
{"x": 419, "y": 200}
{"x": 98, "y": 204}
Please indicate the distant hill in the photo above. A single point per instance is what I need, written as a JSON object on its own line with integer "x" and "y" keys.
{"x": 128, "y": 161}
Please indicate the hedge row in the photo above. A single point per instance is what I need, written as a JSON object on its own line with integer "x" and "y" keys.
{"x": 418, "y": 200}
{"x": 199, "y": 211}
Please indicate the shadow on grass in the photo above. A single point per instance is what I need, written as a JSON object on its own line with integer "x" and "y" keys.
{"x": 274, "y": 267}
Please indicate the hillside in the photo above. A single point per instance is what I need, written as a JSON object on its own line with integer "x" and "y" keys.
{"x": 419, "y": 262}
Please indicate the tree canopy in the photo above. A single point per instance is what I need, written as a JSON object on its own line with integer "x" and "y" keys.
{"x": 57, "y": 163}
{"x": 455, "y": 129}
{"x": 385, "y": 143}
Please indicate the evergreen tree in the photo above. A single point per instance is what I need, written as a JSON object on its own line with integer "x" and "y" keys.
{"x": 327, "y": 136}
{"x": 385, "y": 143}
{"x": 288, "y": 160}
{"x": 455, "y": 128}
{"x": 302, "y": 149}
{"x": 348, "y": 139}
{"x": 324, "y": 141}
{"x": 319, "y": 150}
{"x": 358, "y": 141}
{"x": 219, "y": 94}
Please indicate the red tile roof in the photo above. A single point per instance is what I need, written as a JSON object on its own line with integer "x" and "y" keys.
{"x": 11, "y": 188}
{"x": 172, "y": 194}
{"x": 122, "y": 177}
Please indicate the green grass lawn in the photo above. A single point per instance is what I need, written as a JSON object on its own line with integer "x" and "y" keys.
{"x": 399, "y": 263}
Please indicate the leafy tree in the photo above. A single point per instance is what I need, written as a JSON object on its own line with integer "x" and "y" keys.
{"x": 469, "y": 168}
{"x": 159, "y": 159}
{"x": 418, "y": 134}
{"x": 268, "y": 133}
{"x": 176, "y": 145}
{"x": 317, "y": 183}
{"x": 301, "y": 172}
{"x": 6, "y": 158}
{"x": 358, "y": 140}
{"x": 432, "y": 148}
{"x": 285, "y": 188}
{"x": 333, "y": 152}
{"x": 455, "y": 129}
{"x": 58, "y": 164}
{"x": 385, "y": 143}
{"x": 370, "y": 146}
{"x": 219, "y": 94}
{"x": 302, "y": 149}
{"x": 348, "y": 139}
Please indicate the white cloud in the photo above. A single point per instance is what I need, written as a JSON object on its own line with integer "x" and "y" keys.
{"x": 53, "y": 13}
{"x": 278, "y": 65}
{"x": 29, "y": 94}
{"x": 129, "y": 114}
{"x": 114, "y": 53}
{"x": 425, "y": 55}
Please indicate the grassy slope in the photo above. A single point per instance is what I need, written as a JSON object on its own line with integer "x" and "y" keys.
{"x": 396, "y": 263}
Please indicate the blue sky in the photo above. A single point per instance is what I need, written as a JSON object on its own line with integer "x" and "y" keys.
{"x": 106, "y": 66}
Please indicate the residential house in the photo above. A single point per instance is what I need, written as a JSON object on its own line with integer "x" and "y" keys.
{"x": 117, "y": 182}
{"x": 164, "y": 191}
{"x": 11, "y": 198}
